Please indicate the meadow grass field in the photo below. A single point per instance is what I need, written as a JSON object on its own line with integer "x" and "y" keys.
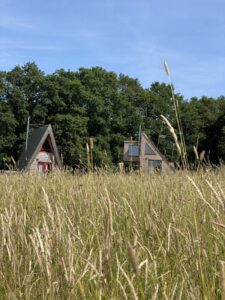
{"x": 113, "y": 236}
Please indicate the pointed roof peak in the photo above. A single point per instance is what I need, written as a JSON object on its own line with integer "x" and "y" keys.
{"x": 35, "y": 142}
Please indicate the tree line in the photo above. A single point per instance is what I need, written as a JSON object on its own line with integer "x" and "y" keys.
{"x": 107, "y": 107}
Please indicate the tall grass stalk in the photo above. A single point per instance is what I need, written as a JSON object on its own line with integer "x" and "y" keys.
{"x": 222, "y": 278}
{"x": 184, "y": 158}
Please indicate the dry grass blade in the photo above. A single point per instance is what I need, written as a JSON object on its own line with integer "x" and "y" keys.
{"x": 108, "y": 228}
{"x": 196, "y": 153}
{"x": 81, "y": 290}
{"x": 215, "y": 193}
{"x": 133, "y": 259}
{"x": 91, "y": 143}
{"x": 219, "y": 224}
{"x": 178, "y": 119}
{"x": 222, "y": 278}
{"x": 202, "y": 155}
{"x": 155, "y": 295}
{"x": 110, "y": 216}
{"x": 172, "y": 131}
{"x": 201, "y": 195}
{"x": 130, "y": 284}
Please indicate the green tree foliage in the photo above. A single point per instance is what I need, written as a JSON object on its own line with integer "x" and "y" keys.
{"x": 8, "y": 126}
{"x": 158, "y": 102}
{"x": 106, "y": 106}
{"x": 203, "y": 121}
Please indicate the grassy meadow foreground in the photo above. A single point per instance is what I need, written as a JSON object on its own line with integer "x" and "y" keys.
{"x": 112, "y": 236}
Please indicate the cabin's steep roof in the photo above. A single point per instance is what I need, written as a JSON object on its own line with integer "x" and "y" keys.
{"x": 35, "y": 141}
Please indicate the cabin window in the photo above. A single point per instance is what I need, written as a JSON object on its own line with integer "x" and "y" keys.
{"x": 46, "y": 147}
{"x": 154, "y": 165}
{"x": 133, "y": 150}
{"x": 148, "y": 150}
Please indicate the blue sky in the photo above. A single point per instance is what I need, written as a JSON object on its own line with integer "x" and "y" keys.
{"x": 126, "y": 36}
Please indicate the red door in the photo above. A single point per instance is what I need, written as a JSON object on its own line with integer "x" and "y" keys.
{"x": 41, "y": 167}
{"x": 44, "y": 167}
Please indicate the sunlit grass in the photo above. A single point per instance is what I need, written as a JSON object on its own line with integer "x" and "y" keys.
{"x": 112, "y": 236}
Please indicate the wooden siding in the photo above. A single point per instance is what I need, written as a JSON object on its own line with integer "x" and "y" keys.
{"x": 43, "y": 157}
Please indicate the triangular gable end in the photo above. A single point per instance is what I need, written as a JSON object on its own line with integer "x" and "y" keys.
{"x": 35, "y": 144}
{"x": 153, "y": 147}
{"x": 47, "y": 145}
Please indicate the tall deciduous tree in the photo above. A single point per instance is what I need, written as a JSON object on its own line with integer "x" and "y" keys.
{"x": 110, "y": 108}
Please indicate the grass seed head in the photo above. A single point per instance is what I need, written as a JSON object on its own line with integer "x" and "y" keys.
{"x": 166, "y": 68}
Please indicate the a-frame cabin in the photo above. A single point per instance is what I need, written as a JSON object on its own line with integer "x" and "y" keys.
{"x": 144, "y": 155}
{"x": 40, "y": 154}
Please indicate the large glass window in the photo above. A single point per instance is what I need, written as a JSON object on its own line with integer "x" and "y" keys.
{"x": 148, "y": 150}
{"x": 154, "y": 165}
{"x": 133, "y": 150}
